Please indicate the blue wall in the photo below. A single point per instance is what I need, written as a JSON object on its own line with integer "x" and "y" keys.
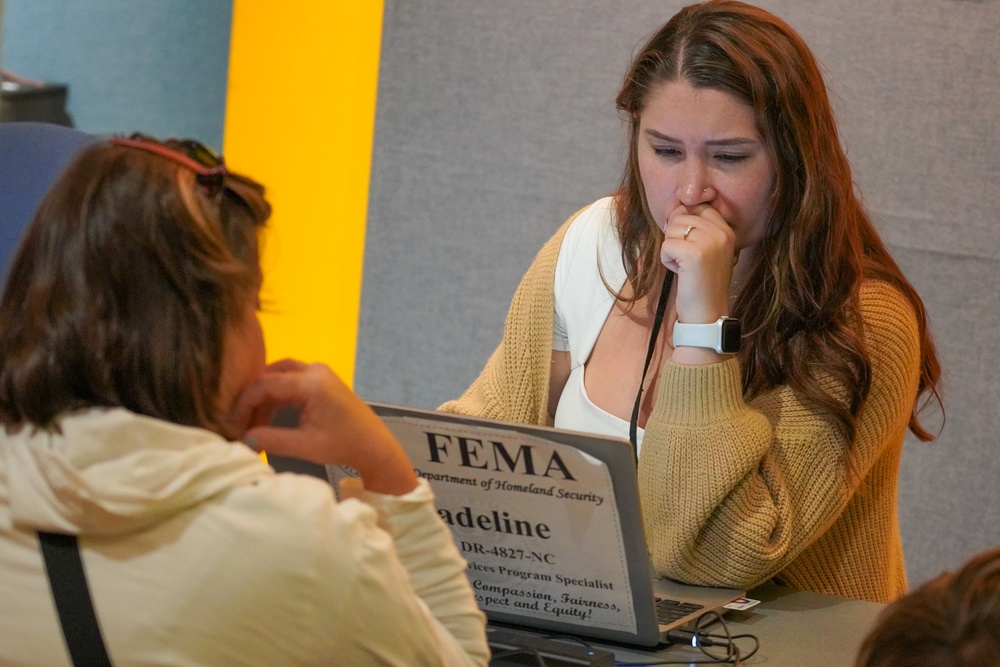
{"x": 156, "y": 66}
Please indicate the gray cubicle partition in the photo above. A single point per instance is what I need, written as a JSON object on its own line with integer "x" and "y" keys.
{"x": 496, "y": 121}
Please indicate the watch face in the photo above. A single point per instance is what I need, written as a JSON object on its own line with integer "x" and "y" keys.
{"x": 730, "y": 336}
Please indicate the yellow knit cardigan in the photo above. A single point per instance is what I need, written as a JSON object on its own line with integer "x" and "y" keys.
{"x": 737, "y": 492}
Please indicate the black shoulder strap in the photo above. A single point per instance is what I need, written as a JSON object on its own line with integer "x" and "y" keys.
{"x": 72, "y": 597}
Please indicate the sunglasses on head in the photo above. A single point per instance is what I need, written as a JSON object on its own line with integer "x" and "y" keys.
{"x": 208, "y": 166}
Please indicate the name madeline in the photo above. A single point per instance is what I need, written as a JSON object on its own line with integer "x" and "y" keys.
{"x": 499, "y": 522}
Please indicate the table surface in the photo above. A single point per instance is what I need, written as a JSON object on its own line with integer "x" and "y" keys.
{"x": 794, "y": 628}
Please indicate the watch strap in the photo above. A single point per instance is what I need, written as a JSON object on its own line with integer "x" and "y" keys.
{"x": 714, "y": 336}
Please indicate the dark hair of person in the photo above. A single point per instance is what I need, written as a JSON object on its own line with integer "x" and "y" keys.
{"x": 819, "y": 245}
{"x": 951, "y": 621}
{"x": 122, "y": 289}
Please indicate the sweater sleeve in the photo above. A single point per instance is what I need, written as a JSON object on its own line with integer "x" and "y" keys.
{"x": 514, "y": 384}
{"x": 411, "y": 578}
{"x": 733, "y": 492}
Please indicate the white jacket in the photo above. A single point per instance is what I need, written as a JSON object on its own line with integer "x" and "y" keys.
{"x": 197, "y": 553}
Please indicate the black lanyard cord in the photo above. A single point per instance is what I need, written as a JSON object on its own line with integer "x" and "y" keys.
{"x": 661, "y": 306}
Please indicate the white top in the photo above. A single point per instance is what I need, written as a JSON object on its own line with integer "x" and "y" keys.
{"x": 589, "y": 252}
{"x": 197, "y": 553}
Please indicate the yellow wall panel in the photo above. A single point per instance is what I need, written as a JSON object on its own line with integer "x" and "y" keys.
{"x": 300, "y": 118}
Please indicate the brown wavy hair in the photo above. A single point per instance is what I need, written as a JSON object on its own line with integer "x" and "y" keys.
{"x": 122, "y": 289}
{"x": 819, "y": 244}
{"x": 952, "y": 620}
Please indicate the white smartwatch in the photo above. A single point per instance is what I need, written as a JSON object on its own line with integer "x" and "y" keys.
{"x": 723, "y": 335}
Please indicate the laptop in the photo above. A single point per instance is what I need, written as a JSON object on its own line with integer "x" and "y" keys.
{"x": 550, "y": 525}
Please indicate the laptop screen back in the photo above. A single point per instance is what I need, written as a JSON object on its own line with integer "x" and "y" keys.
{"x": 547, "y": 519}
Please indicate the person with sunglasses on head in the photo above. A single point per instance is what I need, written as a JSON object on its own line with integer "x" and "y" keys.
{"x": 732, "y": 311}
{"x": 132, "y": 364}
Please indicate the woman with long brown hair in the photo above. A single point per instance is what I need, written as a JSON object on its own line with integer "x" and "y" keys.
{"x": 734, "y": 312}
